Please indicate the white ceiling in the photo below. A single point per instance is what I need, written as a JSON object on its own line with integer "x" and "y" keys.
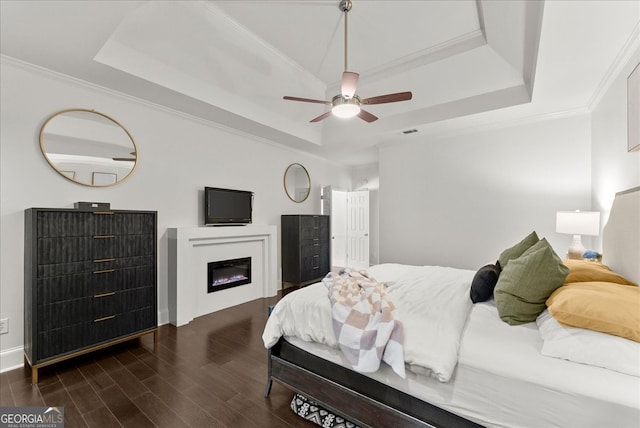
{"x": 468, "y": 63}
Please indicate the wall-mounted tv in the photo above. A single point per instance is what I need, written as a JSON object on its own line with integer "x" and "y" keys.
{"x": 227, "y": 206}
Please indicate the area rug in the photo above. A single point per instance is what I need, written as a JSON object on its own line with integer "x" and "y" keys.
{"x": 311, "y": 411}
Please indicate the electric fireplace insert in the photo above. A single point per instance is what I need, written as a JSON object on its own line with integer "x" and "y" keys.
{"x": 225, "y": 274}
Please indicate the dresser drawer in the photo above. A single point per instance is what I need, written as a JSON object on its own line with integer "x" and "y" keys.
{"x": 68, "y": 287}
{"x": 90, "y": 266}
{"x": 100, "y": 305}
{"x": 55, "y": 342}
{"x": 58, "y": 224}
{"x": 81, "y": 248}
{"x": 110, "y": 246}
{"x": 311, "y": 221}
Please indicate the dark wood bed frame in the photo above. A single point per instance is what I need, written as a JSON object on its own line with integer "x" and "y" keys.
{"x": 356, "y": 397}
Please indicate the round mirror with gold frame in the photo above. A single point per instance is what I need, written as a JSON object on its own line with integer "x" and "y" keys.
{"x": 297, "y": 183}
{"x": 88, "y": 147}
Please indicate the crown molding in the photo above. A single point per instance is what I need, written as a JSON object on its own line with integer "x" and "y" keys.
{"x": 434, "y": 136}
{"x": 624, "y": 56}
{"x": 65, "y": 78}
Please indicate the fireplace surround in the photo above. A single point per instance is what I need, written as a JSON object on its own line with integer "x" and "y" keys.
{"x": 191, "y": 249}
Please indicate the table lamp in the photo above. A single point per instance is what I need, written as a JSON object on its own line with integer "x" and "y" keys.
{"x": 577, "y": 223}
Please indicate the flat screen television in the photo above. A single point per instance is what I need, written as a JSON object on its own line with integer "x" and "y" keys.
{"x": 227, "y": 206}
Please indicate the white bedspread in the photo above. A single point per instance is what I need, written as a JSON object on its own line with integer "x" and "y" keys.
{"x": 431, "y": 301}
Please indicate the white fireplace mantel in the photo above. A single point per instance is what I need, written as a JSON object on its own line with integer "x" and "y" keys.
{"x": 190, "y": 249}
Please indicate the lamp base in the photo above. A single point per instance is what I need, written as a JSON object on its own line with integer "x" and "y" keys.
{"x": 576, "y": 250}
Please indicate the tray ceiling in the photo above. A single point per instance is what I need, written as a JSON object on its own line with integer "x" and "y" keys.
{"x": 467, "y": 62}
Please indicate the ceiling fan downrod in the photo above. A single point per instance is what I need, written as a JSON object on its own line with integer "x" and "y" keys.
{"x": 345, "y": 6}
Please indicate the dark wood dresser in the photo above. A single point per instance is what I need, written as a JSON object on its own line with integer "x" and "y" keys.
{"x": 90, "y": 281}
{"x": 305, "y": 248}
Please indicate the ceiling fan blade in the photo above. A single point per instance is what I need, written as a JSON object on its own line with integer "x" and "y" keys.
{"x": 366, "y": 116}
{"x": 389, "y": 98}
{"x": 306, "y": 100}
{"x": 321, "y": 117}
{"x": 124, "y": 159}
{"x": 349, "y": 83}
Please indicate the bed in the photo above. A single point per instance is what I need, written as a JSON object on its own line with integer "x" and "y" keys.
{"x": 505, "y": 373}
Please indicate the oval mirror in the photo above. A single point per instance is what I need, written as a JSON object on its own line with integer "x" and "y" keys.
{"x": 297, "y": 183}
{"x": 88, "y": 147}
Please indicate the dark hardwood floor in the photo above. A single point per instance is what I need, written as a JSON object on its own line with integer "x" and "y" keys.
{"x": 209, "y": 373}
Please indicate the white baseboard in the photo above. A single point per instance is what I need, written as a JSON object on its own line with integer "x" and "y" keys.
{"x": 163, "y": 317}
{"x": 11, "y": 359}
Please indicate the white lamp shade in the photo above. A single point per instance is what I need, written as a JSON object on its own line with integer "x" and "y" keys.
{"x": 578, "y": 222}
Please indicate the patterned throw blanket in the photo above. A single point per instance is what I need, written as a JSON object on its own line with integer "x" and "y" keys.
{"x": 364, "y": 323}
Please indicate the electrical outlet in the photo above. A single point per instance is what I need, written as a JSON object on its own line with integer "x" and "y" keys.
{"x": 4, "y": 326}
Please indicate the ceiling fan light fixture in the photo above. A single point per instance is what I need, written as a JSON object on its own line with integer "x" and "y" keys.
{"x": 345, "y": 107}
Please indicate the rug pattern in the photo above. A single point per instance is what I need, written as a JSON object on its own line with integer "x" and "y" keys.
{"x": 311, "y": 411}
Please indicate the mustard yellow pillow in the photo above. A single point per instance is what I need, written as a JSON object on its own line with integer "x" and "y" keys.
{"x": 585, "y": 271}
{"x": 600, "y": 306}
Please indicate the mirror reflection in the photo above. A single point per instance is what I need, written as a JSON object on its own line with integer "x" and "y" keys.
{"x": 88, "y": 147}
{"x": 297, "y": 183}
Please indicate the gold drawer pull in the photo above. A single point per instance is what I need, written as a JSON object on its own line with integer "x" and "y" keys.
{"x": 111, "y": 293}
{"x": 103, "y": 260}
{"x": 103, "y": 236}
{"x": 104, "y": 271}
{"x": 104, "y": 318}
{"x": 103, "y": 213}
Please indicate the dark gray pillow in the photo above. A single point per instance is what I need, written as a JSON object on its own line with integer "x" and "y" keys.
{"x": 484, "y": 282}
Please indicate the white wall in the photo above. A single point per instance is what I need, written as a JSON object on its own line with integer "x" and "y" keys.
{"x": 367, "y": 177}
{"x": 460, "y": 201}
{"x": 178, "y": 157}
{"x": 614, "y": 168}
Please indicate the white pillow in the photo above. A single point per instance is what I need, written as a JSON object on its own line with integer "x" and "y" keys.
{"x": 588, "y": 347}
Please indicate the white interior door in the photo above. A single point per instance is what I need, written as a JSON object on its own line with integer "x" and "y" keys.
{"x": 349, "y": 213}
{"x": 334, "y": 203}
{"x": 358, "y": 229}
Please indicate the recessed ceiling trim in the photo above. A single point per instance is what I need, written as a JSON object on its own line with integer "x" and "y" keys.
{"x": 452, "y": 47}
{"x": 299, "y": 70}
{"x": 533, "y": 28}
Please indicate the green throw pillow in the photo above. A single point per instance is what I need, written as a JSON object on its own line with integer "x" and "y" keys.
{"x": 518, "y": 249}
{"x": 527, "y": 282}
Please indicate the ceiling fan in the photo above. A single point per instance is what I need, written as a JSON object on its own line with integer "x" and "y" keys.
{"x": 347, "y": 103}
